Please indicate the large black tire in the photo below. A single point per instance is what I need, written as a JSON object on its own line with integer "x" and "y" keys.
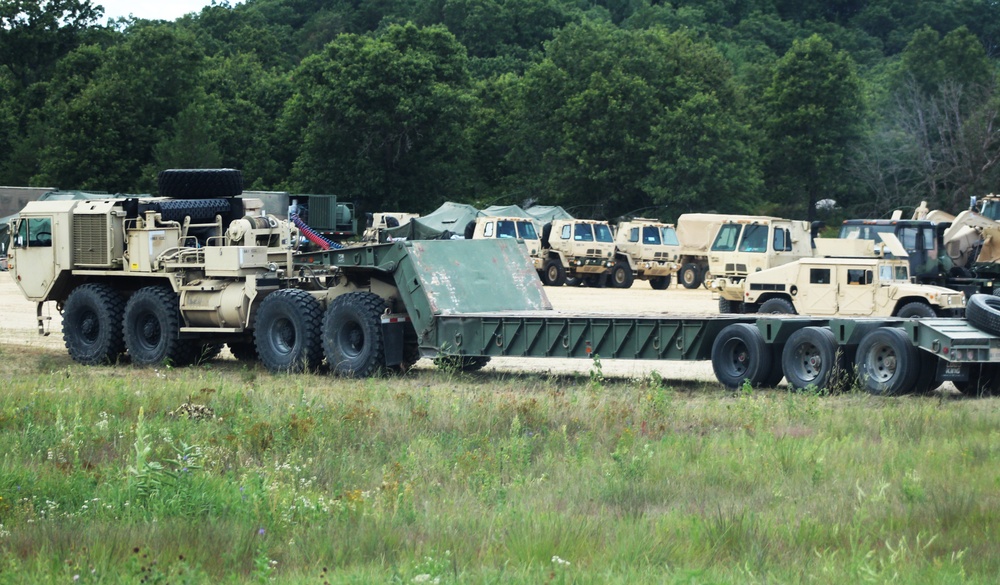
{"x": 546, "y": 232}
{"x": 983, "y": 312}
{"x": 595, "y": 280}
{"x": 92, "y": 324}
{"x": 660, "y": 282}
{"x": 244, "y": 351}
{"x": 690, "y": 275}
{"x": 352, "y": 335}
{"x": 621, "y": 275}
{"x": 573, "y": 281}
{"x": 777, "y": 307}
{"x": 887, "y": 362}
{"x": 287, "y": 331}
{"x": 739, "y": 353}
{"x": 200, "y": 183}
{"x": 811, "y": 358}
{"x": 728, "y": 307}
{"x": 553, "y": 273}
{"x": 151, "y": 328}
{"x": 916, "y": 310}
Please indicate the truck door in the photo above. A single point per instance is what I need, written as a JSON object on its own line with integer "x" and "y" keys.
{"x": 33, "y": 256}
{"x": 819, "y": 295}
{"x": 856, "y": 293}
{"x": 651, "y": 243}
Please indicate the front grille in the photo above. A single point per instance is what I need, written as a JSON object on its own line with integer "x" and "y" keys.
{"x": 90, "y": 240}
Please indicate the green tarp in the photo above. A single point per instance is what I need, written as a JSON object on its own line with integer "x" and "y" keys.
{"x": 546, "y": 213}
{"x": 445, "y": 222}
{"x": 505, "y": 211}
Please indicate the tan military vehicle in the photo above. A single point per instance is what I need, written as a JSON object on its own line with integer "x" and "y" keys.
{"x": 744, "y": 245}
{"x": 522, "y": 228}
{"x": 578, "y": 250}
{"x": 384, "y": 220}
{"x": 830, "y": 284}
{"x": 647, "y": 250}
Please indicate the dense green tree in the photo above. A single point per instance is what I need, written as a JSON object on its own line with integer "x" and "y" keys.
{"x": 959, "y": 57}
{"x": 814, "y": 108}
{"x": 382, "y": 118}
{"x": 34, "y": 34}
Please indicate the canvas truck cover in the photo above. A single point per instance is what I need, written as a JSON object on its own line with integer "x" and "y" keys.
{"x": 445, "y": 221}
{"x": 547, "y": 213}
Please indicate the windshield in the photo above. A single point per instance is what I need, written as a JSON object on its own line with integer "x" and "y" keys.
{"x": 526, "y": 230}
{"x": 991, "y": 209}
{"x": 603, "y": 233}
{"x": 726, "y": 240}
{"x": 650, "y": 235}
{"x": 670, "y": 237}
{"x": 506, "y": 229}
{"x": 582, "y": 232}
{"x": 754, "y": 239}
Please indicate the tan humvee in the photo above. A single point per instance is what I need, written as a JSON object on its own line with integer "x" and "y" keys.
{"x": 577, "y": 249}
{"x": 647, "y": 250}
{"x": 845, "y": 286}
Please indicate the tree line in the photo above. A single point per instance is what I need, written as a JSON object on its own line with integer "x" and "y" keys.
{"x": 606, "y": 107}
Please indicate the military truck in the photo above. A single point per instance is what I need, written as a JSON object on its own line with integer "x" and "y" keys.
{"x": 515, "y": 228}
{"x": 865, "y": 283}
{"x": 160, "y": 280}
{"x": 377, "y": 223}
{"x": 647, "y": 250}
{"x": 582, "y": 250}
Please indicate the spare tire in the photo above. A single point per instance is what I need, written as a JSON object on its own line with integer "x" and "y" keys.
{"x": 546, "y": 232}
{"x": 983, "y": 312}
{"x": 200, "y": 183}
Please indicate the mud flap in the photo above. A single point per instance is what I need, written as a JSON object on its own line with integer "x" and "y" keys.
{"x": 393, "y": 332}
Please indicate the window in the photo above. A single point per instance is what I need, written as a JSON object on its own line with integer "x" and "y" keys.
{"x": 819, "y": 276}
{"x": 566, "y": 232}
{"x": 34, "y": 233}
{"x": 908, "y": 236}
{"x": 488, "y": 229}
{"x": 725, "y": 240}
{"x": 633, "y": 235}
{"x": 902, "y": 273}
{"x": 582, "y": 232}
{"x": 885, "y": 273}
{"x": 526, "y": 230}
{"x": 754, "y": 239}
{"x": 669, "y": 237}
{"x": 506, "y": 229}
{"x": 603, "y": 232}
{"x": 650, "y": 235}
{"x": 859, "y": 276}
{"x": 782, "y": 240}
{"x": 929, "y": 239}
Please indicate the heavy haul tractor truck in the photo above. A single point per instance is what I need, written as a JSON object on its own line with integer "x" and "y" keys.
{"x": 158, "y": 280}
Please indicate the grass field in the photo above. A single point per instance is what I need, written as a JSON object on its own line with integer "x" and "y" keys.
{"x": 225, "y": 474}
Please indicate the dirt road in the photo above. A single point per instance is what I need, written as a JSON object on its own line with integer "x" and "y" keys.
{"x": 17, "y": 326}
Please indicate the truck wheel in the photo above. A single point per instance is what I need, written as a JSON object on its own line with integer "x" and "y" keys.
{"x": 984, "y": 380}
{"x": 596, "y": 280}
{"x": 553, "y": 274}
{"x": 690, "y": 275}
{"x": 983, "y": 312}
{"x": 208, "y": 352}
{"x": 916, "y": 310}
{"x": 660, "y": 282}
{"x": 352, "y": 335}
{"x": 728, "y": 307}
{"x": 777, "y": 307}
{"x": 706, "y": 279}
{"x": 621, "y": 275}
{"x": 200, "y": 183}
{"x": 739, "y": 353}
{"x": 573, "y": 281}
{"x": 887, "y": 362}
{"x": 287, "y": 331}
{"x": 152, "y": 329}
{"x": 244, "y": 351}
{"x": 811, "y": 358}
{"x": 92, "y": 324}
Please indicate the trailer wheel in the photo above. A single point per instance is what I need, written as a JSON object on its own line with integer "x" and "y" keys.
{"x": 984, "y": 380}
{"x": 739, "y": 353}
{"x": 621, "y": 275}
{"x": 690, "y": 275}
{"x": 887, "y": 362}
{"x": 811, "y": 358}
{"x": 92, "y": 324}
{"x": 916, "y": 310}
{"x": 352, "y": 335}
{"x": 777, "y": 307}
{"x": 200, "y": 183}
{"x": 244, "y": 351}
{"x": 287, "y": 331}
{"x": 553, "y": 274}
{"x": 152, "y": 329}
{"x": 660, "y": 282}
{"x": 983, "y": 312}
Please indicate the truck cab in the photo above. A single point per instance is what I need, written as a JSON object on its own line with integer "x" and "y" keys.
{"x": 580, "y": 249}
{"x": 521, "y": 228}
{"x": 747, "y": 246}
{"x": 647, "y": 250}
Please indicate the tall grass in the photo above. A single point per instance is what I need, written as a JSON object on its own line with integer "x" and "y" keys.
{"x": 224, "y": 473}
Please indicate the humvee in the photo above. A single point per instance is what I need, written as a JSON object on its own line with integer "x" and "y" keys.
{"x": 866, "y": 285}
{"x": 579, "y": 249}
{"x": 647, "y": 250}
